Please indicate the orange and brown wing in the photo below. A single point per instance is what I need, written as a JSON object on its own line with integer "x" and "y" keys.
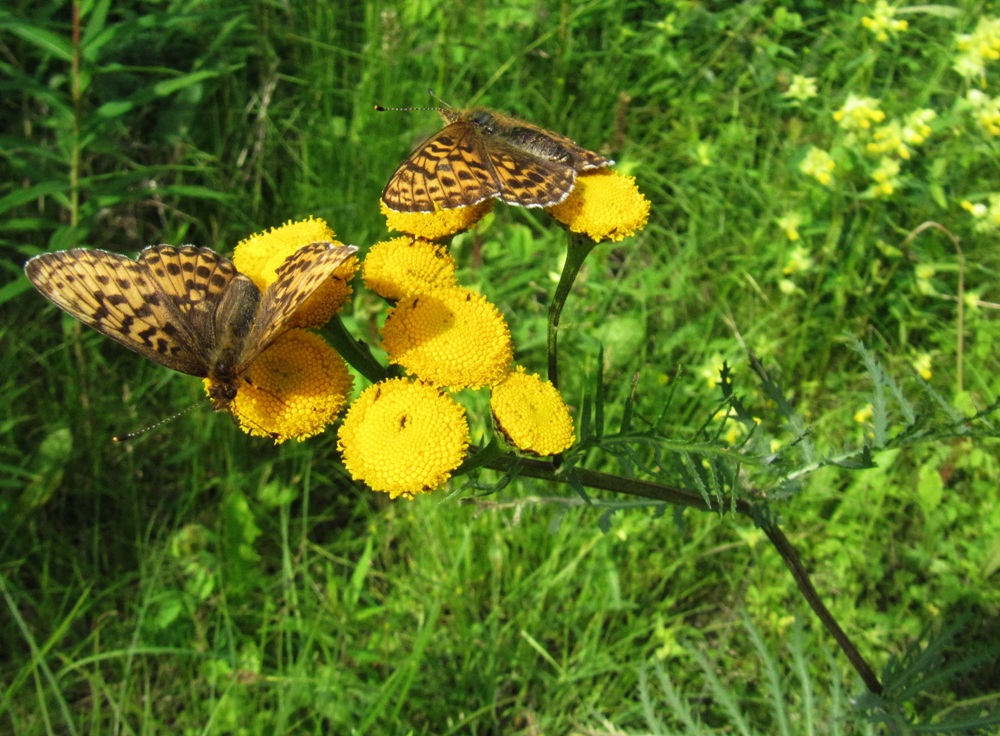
{"x": 296, "y": 280}
{"x": 452, "y": 169}
{"x": 528, "y": 180}
{"x": 134, "y": 304}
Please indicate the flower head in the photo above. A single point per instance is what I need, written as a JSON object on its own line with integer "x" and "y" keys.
{"x": 801, "y": 88}
{"x": 819, "y": 165}
{"x": 858, "y": 113}
{"x": 882, "y": 22}
{"x": 262, "y": 254}
{"x": 436, "y": 225}
{"x": 886, "y": 178}
{"x": 295, "y": 388}
{"x": 450, "y": 337}
{"x": 978, "y": 48}
{"x": 397, "y": 268}
{"x": 531, "y": 414}
{"x": 403, "y": 437}
{"x": 790, "y": 224}
{"x": 604, "y": 205}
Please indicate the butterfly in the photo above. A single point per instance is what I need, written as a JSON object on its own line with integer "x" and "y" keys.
{"x": 184, "y": 307}
{"x": 482, "y": 154}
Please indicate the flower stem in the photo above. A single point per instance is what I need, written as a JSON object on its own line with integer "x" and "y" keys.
{"x": 577, "y": 249}
{"x": 355, "y": 352}
{"x": 691, "y": 498}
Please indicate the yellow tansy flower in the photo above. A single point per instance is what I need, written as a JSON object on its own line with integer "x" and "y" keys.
{"x": 396, "y": 268}
{"x": 604, "y": 205}
{"x": 403, "y": 437}
{"x": 451, "y": 337}
{"x": 295, "y": 388}
{"x": 436, "y": 225}
{"x": 531, "y": 414}
{"x": 262, "y": 254}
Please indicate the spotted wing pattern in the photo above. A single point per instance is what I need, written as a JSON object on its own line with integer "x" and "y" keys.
{"x": 451, "y": 169}
{"x": 156, "y": 306}
{"x": 296, "y": 280}
{"x": 184, "y": 307}
{"x": 482, "y": 154}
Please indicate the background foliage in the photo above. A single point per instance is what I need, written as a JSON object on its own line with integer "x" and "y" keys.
{"x": 197, "y": 580}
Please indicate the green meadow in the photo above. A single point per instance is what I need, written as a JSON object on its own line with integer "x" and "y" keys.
{"x": 781, "y": 514}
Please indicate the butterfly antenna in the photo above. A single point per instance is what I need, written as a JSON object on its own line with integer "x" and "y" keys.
{"x": 379, "y": 108}
{"x": 444, "y": 106}
{"x": 443, "y": 103}
{"x": 132, "y": 435}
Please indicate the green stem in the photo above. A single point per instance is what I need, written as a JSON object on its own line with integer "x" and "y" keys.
{"x": 76, "y": 92}
{"x": 577, "y": 249}
{"x": 687, "y": 497}
{"x": 355, "y": 352}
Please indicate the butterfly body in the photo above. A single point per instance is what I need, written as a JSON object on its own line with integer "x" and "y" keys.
{"x": 184, "y": 307}
{"x": 481, "y": 154}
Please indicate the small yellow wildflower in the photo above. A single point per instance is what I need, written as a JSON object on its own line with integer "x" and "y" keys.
{"x": 864, "y": 414}
{"x": 987, "y": 216}
{"x": 882, "y": 21}
{"x": 985, "y": 110}
{"x": 397, "y": 268}
{"x": 916, "y": 128}
{"x": 295, "y": 388}
{"x": 436, "y": 225}
{"x": 403, "y": 437}
{"x": 712, "y": 369}
{"x": 858, "y": 113}
{"x": 798, "y": 260}
{"x": 886, "y": 177}
{"x": 449, "y": 336}
{"x": 801, "y": 88}
{"x": 889, "y": 139}
{"x": 922, "y": 365}
{"x": 790, "y": 224}
{"x": 819, "y": 165}
{"x": 531, "y": 414}
{"x": 978, "y": 48}
{"x": 604, "y": 205}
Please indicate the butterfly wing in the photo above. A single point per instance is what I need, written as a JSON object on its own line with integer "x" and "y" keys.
{"x": 296, "y": 280}
{"x": 451, "y": 169}
{"x": 155, "y": 306}
{"x": 527, "y": 180}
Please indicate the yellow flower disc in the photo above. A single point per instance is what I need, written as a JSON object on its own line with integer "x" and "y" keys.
{"x": 402, "y": 266}
{"x": 604, "y": 205}
{"x": 294, "y": 389}
{"x": 531, "y": 414}
{"x": 402, "y": 437}
{"x": 436, "y": 225}
{"x": 451, "y": 337}
{"x": 260, "y": 255}
{"x": 328, "y": 299}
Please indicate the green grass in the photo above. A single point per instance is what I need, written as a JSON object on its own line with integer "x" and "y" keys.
{"x": 196, "y": 580}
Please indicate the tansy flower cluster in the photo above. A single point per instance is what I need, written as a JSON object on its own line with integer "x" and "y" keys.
{"x": 408, "y": 435}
